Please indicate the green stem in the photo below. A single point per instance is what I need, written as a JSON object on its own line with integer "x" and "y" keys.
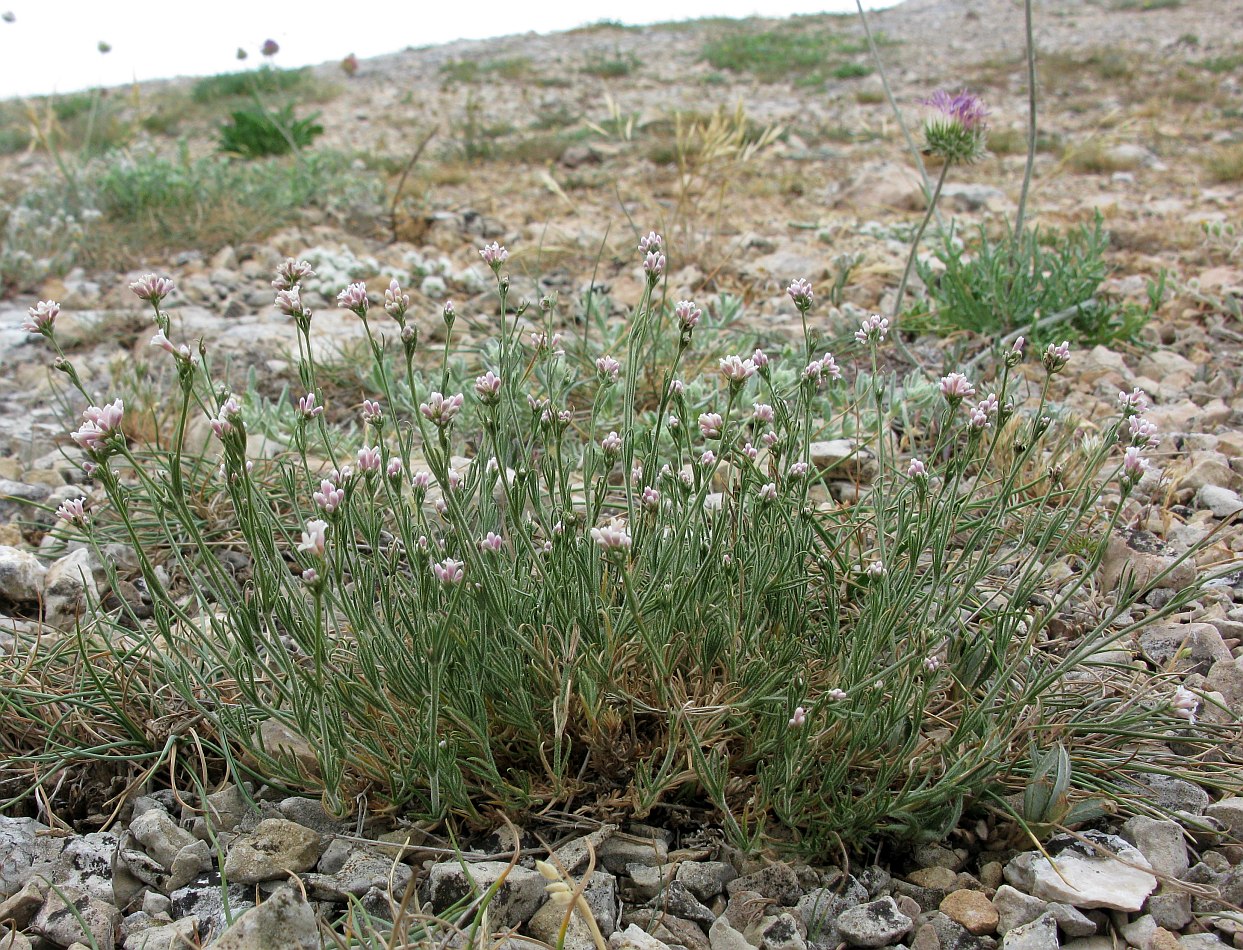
{"x": 1031, "y": 120}
{"x": 910, "y": 260}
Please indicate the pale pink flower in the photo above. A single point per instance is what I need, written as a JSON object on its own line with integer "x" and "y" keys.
{"x": 151, "y": 288}
{"x": 491, "y": 543}
{"x": 917, "y": 470}
{"x": 1056, "y": 357}
{"x": 708, "y": 459}
{"x": 735, "y": 370}
{"x": 769, "y": 439}
{"x": 1143, "y": 433}
{"x": 100, "y": 425}
{"x": 768, "y": 492}
{"x": 677, "y": 387}
{"x": 837, "y": 695}
{"x": 1015, "y": 355}
{"x": 310, "y": 576}
{"x": 673, "y": 422}
{"x": 420, "y": 480}
{"x": 329, "y": 497}
{"x": 800, "y": 292}
{"x": 488, "y": 387}
{"x": 1134, "y": 465}
{"x": 650, "y": 499}
{"x": 651, "y": 243}
{"x": 354, "y": 298}
{"x": 762, "y": 413}
{"x": 395, "y": 302}
{"x": 611, "y": 538}
{"x": 932, "y": 663}
{"x": 440, "y": 409}
{"x": 73, "y": 511}
{"x": 710, "y": 425}
{"x": 830, "y": 368}
{"x": 798, "y": 470}
{"x": 873, "y": 330}
{"x": 494, "y": 255}
{"x": 182, "y": 352}
{"x": 41, "y": 317}
{"x": 369, "y": 459}
{"x": 750, "y": 451}
{"x": 799, "y": 718}
{"x": 1185, "y": 704}
{"x": 289, "y": 302}
{"x": 653, "y": 266}
{"x": 291, "y": 273}
{"x": 372, "y": 413}
{"x": 760, "y": 359}
{"x": 393, "y": 469}
{"x": 308, "y": 406}
{"x": 611, "y": 445}
{"x": 955, "y": 387}
{"x": 1134, "y": 402}
{"x": 608, "y": 369}
{"x": 688, "y": 314}
{"x": 877, "y": 569}
{"x": 449, "y": 572}
{"x": 315, "y": 537}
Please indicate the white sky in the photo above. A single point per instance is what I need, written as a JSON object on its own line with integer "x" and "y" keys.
{"x": 52, "y": 45}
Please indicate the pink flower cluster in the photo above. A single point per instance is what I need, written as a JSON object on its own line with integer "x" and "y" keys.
{"x": 101, "y": 424}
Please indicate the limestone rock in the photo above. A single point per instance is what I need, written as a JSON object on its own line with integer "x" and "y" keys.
{"x": 1086, "y": 875}
{"x": 635, "y": 937}
{"x": 777, "y": 882}
{"x": 1161, "y": 842}
{"x": 521, "y": 892}
{"x": 875, "y": 924}
{"x": 1142, "y": 558}
{"x": 844, "y": 460}
{"x": 283, "y": 922}
{"x": 1183, "y": 647}
{"x": 72, "y": 916}
{"x": 22, "y": 576}
{"x": 1040, "y": 934}
{"x": 276, "y": 849}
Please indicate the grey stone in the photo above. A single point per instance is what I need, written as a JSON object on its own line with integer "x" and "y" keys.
{"x": 1171, "y": 909}
{"x": 1070, "y": 921}
{"x": 283, "y": 922}
{"x": 1183, "y": 647}
{"x": 783, "y": 932}
{"x": 1161, "y": 842}
{"x": 174, "y": 935}
{"x": 14, "y": 940}
{"x": 203, "y": 899}
{"x": 1146, "y": 560}
{"x": 618, "y": 851}
{"x": 335, "y": 856}
{"x": 276, "y": 849}
{"x": 1171, "y": 794}
{"x": 705, "y": 879}
{"x": 71, "y": 915}
{"x": 1039, "y": 934}
{"x": 745, "y": 909}
{"x": 875, "y": 924}
{"x": 844, "y": 460}
{"x": 677, "y": 899}
{"x": 600, "y": 894}
{"x": 1086, "y": 875}
{"x": 674, "y": 931}
{"x": 1222, "y": 502}
{"x": 160, "y": 836}
{"x": 309, "y": 813}
{"x": 517, "y": 898}
{"x": 67, "y": 588}
{"x": 1206, "y": 941}
{"x": 635, "y": 937}
{"x": 223, "y": 810}
{"x": 1014, "y": 908}
{"x": 777, "y": 882}
{"x": 191, "y": 861}
{"x": 358, "y": 874}
{"x": 1229, "y": 811}
{"x": 22, "y": 576}
{"x": 19, "y": 909}
{"x": 939, "y": 856}
{"x": 647, "y": 882}
{"x": 952, "y": 935}
{"x": 1139, "y": 931}
{"x": 722, "y": 936}
{"x": 573, "y": 856}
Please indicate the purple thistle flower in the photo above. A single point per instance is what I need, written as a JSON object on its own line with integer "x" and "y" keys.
{"x": 956, "y": 132}
{"x": 270, "y": 48}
